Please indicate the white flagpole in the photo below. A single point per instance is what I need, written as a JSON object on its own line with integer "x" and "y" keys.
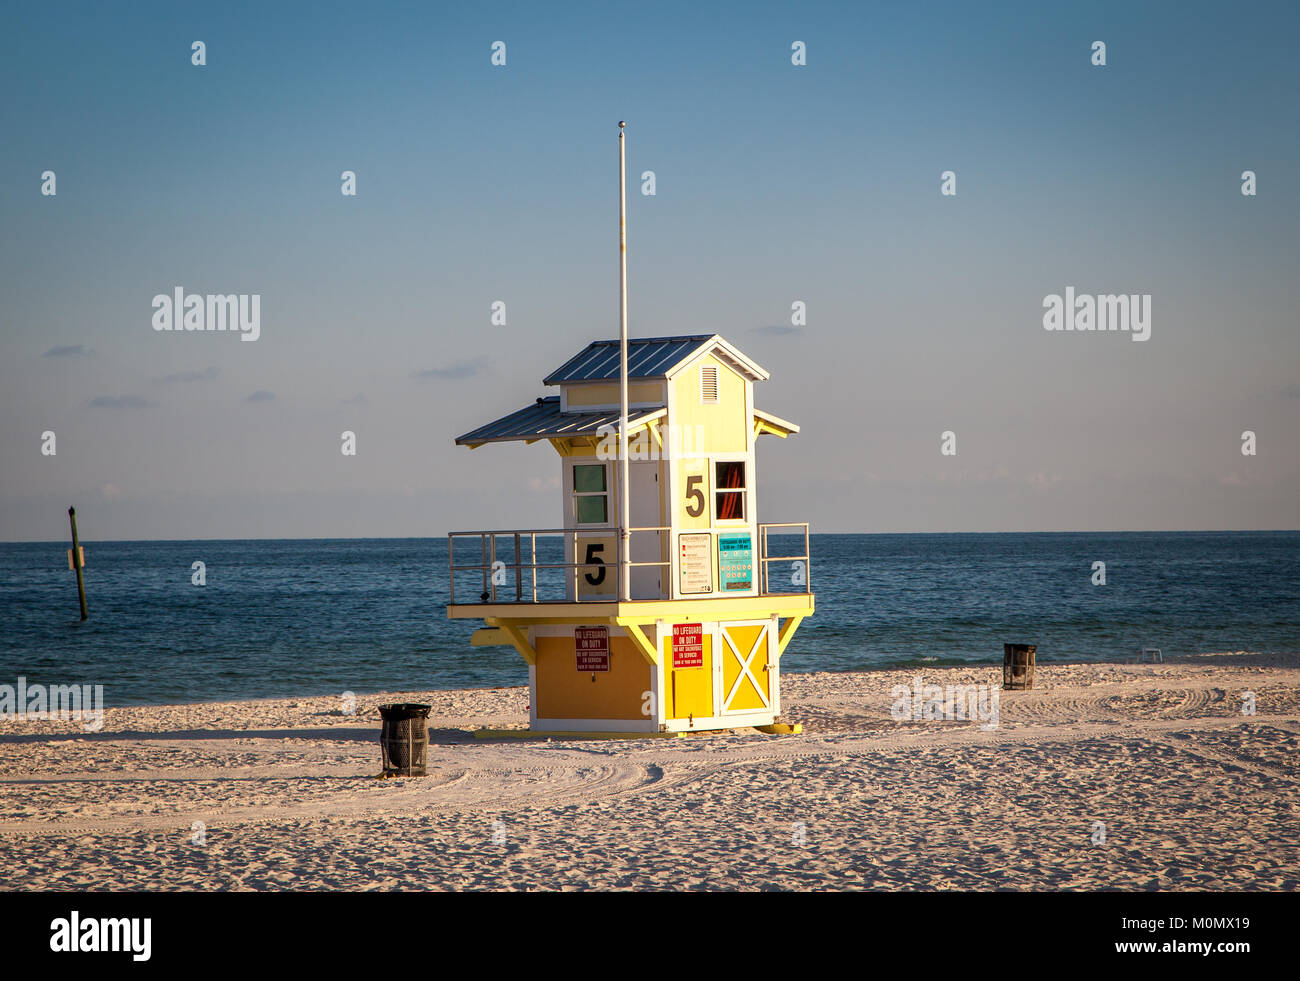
{"x": 625, "y": 506}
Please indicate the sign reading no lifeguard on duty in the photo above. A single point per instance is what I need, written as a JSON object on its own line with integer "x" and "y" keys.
{"x": 592, "y": 645}
{"x": 688, "y": 645}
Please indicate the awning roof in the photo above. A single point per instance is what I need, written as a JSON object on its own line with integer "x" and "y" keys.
{"x": 765, "y": 422}
{"x": 544, "y": 420}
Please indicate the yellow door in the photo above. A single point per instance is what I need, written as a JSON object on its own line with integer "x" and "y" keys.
{"x": 744, "y": 650}
{"x": 690, "y": 672}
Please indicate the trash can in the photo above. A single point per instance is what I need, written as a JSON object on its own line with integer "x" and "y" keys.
{"x": 1018, "y": 666}
{"x": 404, "y": 739}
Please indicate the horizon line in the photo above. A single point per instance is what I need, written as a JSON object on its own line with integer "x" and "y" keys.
{"x": 425, "y": 538}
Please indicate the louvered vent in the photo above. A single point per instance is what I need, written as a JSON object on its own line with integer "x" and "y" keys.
{"x": 708, "y": 383}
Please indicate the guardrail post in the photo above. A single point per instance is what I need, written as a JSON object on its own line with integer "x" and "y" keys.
{"x": 519, "y": 573}
{"x": 807, "y": 561}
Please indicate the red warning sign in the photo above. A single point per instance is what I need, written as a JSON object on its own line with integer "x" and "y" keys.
{"x": 688, "y": 645}
{"x": 592, "y": 646}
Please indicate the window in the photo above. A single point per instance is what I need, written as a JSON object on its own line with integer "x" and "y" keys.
{"x": 730, "y": 493}
{"x": 590, "y": 493}
{"x": 708, "y": 383}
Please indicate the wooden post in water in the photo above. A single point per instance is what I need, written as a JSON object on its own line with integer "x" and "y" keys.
{"x": 76, "y": 563}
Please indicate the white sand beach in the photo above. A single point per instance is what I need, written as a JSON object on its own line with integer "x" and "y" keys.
{"x": 1192, "y": 793}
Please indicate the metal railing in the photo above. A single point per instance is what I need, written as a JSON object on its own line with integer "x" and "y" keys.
{"x": 521, "y": 546}
{"x": 764, "y": 560}
{"x": 488, "y": 561}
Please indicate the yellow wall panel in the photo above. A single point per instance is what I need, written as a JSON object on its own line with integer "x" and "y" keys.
{"x": 597, "y": 582}
{"x": 607, "y": 393}
{"x": 711, "y": 428}
{"x": 694, "y": 493}
{"x": 564, "y": 693}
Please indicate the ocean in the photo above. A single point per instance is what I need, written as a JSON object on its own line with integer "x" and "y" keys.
{"x": 281, "y": 618}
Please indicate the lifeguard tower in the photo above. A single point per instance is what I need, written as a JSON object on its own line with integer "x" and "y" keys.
{"x": 659, "y": 604}
{"x": 698, "y": 645}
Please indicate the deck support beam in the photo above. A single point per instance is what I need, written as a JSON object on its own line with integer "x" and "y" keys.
{"x": 519, "y": 640}
{"x": 647, "y": 649}
{"x": 787, "y": 631}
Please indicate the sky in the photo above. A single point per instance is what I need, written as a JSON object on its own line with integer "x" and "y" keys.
{"x": 774, "y": 183}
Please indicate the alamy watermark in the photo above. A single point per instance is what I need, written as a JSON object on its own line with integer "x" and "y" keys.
{"x": 685, "y": 442}
{"x": 211, "y": 311}
{"x": 102, "y": 934}
{"x": 1131, "y": 312}
{"x": 922, "y": 702}
{"x": 78, "y": 703}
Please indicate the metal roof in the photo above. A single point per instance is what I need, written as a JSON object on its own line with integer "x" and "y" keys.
{"x": 544, "y": 420}
{"x": 647, "y": 357}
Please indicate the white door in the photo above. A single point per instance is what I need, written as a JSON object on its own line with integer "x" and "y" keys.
{"x": 647, "y": 581}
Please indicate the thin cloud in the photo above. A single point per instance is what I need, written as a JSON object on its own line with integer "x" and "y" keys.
{"x": 120, "y": 402}
{"x": 359, "y": 399}
{"x": 462, "y": 369}
{"x": 261, "y": 395}
{"x": 540, "y": 485}
{"x": 68, "y": 351}
{"x": 207, "y": 374}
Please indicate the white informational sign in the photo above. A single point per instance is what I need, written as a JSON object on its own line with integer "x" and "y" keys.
{"x": 695, "y": 562}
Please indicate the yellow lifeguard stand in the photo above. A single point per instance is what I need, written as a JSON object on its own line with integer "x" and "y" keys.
{"x": 711, "y": 607}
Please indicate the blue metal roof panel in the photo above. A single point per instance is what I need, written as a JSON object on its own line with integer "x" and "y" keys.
{"x": 543, "y": 420}
{"x": 647, "y": 357}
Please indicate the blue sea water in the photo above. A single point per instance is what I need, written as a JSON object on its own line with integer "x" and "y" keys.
{"x": 282, "y": 618}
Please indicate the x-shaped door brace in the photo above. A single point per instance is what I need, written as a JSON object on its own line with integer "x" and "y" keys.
{"x": 745, "y": 662}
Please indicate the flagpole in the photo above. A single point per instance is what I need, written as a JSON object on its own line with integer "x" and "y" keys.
{"x": 625, "y": 507}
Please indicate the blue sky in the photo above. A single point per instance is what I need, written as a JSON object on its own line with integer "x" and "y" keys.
{"x": 775, "y": 183}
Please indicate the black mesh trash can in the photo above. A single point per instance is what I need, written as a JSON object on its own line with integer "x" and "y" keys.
{"x": 404, "y": 739}
{"x": 1018, "y": 666}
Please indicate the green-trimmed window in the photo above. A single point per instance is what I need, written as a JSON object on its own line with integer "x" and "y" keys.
{"x": 590, "y": 493}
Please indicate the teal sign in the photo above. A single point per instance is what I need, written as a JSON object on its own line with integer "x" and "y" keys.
{"x": 735, "y": 561}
